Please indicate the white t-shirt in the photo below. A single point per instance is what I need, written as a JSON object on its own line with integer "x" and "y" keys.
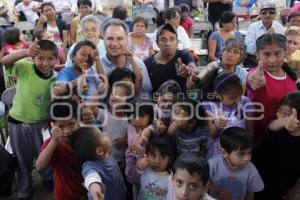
{"x": 184, "y": 41}
{"x": 56, "y": 35}
{"x": 29, "y": 13}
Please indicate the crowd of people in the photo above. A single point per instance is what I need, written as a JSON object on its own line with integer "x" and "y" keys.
{"x": 103, "y": 110}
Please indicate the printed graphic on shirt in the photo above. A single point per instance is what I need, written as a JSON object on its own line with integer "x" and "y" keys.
{"x": 152, "y": 191}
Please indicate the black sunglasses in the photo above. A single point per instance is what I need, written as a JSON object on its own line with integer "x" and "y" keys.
{"x": 271, "y": 12}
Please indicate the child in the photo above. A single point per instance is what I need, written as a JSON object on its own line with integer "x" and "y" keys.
{"x": 29, "y": 8}
{"x": 160, "y": 150}
{"x": 270, "y": 81}
{"x": 189, "y": 178}
{"x": 141, "y": 123}
{"x": 114, "y": 121}
{"x": 232, "y": 174}
{"x": 166, "y": 95}
{"x": 14, "y": 39}
{"x": 28, "y": 114}
{"x": 43, "y": 34}
{"x": 100, "y": 171}
{"x": 279, "y": 151}
{"x": 188, "y": 127}
{"x": 57, "y": 153}
{"x": 229, "y": 111}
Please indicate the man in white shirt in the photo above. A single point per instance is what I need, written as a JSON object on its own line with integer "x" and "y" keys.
{"x": 266, "y": 24}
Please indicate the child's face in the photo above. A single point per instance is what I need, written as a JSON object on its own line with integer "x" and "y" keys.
{"x": 231, "y": 56}
{"x": 26, "y": 2}
{"x": 84, "y": 10}
{"x": 284, "y": 111}
{"x": 90, "y": 30}
{"x": 139, "y": 28}
{"x": 83, "y": 59}
{"x": 295, "y": 21}
{"x": 45, "y": 61}
{"x": 293, "y": 43}
{"x": 166, "y": 100}
{"x": 272, "y": 57}
{"x": 47, "y": 36}
{"x": 68, "y": 127}
{"x": 105, "y": 144}
{"x": 187, "y": 186}
{"x": 157, "y": 161}
{"x": 184, "y": 15}
{"x": 117, "y": 97}
{"x": 237, "y": 159}
{"x": 181, "y": 117}
{"x": 232, "y": 97}
{"x": 141, "y": 122}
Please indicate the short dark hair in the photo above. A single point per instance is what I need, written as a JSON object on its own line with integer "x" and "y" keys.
{"x": 235, "y": 138}
{"x": 226, "y": 17}
{"x": 81, "y": 44}
{"x": 169, "y": 86}
{"x": 184, "y": 7}
{"x": 84, "y": 2}
{"x": 165, "y": 144}
{"x": 48, "y": 45}
{"x": 119, "y": 12}
{"x": 140, "y": 19}
{"x": 292, "y": 100}
{"x": 192, "y": 163}
{"x": 120, "y": 73}
{"x": 143, "y": 107}
{"x": 84, "y": 142}
{"x": 46, "y": 4}
{"x": 292, "y": 15}
{"x": 12, "y": 35}
{"x": 225, "y": 81}
{"x": 190, "y": 106}
{"x": 63, "y": 108}
{"x": 166, "y": 27}
{"x": 38, "y": 34}
{"x": 171, "y": 13}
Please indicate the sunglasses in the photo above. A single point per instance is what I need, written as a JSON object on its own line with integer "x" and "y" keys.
{"x": 271, "y": 12}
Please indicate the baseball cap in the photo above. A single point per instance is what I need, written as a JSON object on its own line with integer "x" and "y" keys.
{"x": 168, "y": 27}
{"x": 268, "y": 5}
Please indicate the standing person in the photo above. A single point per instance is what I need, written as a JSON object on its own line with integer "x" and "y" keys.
{"x": 169, "y": 63}
{"x": 139, "y": 43}
{"x": 29, "y": 112}
{"x": 84, "y": 7}
{"x": 267, "y": 24}
{"x": 53, "y": 24}
{"x": 270, "y": 81}
{"x": 232, "y": 174}
{"x": 115, "y": 35}
{"x": 216, "y": 8}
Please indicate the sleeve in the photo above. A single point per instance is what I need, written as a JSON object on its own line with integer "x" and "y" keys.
{"x": 90, "y": 174}
{"x": 250, "y": 40}
{"x": 255, "y": 183}
{"x": 146, "y": 83}
{"x": 186, "y": 42}
{"x": 214, "y": 36}
{"x": 69, "y": 61}
{"x": 102, "y": 115}
{"x": 63, "y": 75}
{"x": 18, "y": 7}
{"x": 21, "y": 67}
{"x": 64, "y": 25}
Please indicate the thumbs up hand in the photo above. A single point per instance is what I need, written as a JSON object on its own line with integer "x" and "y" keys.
{"x": 182, "y": 70}
{"x": 87, "y": 114}
{"x": 220, "y": 120}
{"x": 256, "y": 80}
{"x": 292, "y": 123}
{"x": 34, "y": 49}
{"x": 83, "y": 86}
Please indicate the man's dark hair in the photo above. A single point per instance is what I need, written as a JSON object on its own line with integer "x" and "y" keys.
{"x": 48, "y": 45}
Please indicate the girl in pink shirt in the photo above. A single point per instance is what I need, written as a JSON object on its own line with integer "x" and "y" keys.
{"x": 270, "y": 81}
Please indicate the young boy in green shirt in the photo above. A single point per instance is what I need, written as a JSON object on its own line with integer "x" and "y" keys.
{"x": 29, "y": 112}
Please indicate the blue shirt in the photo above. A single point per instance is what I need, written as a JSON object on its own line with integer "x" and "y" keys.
{"x": 237, "y": 3}
{"x": 256, "y": 30}
{"x": 146, "y": 83}
{"x": 111, "y": 177}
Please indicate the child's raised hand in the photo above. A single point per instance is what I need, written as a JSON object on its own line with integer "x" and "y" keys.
{"x": 83, "y": 86}
{"x": 145, "y": 134}
{"x": 257, "y": 79}
{"x": 35, "y": 49}
{"x": 59, "y": 89}
{"x": 220, "y": 119}
{"x": 292, "y": 122}
{"x": 182, "y": 70}
{"x": 95, "y": 54}
{"x": 102, "y": 87}
{"x": 142, "y": 163}
{"x": 57, "y": 133}
{"x": 160, "y": 127}
{"x": 96, "y": 191}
